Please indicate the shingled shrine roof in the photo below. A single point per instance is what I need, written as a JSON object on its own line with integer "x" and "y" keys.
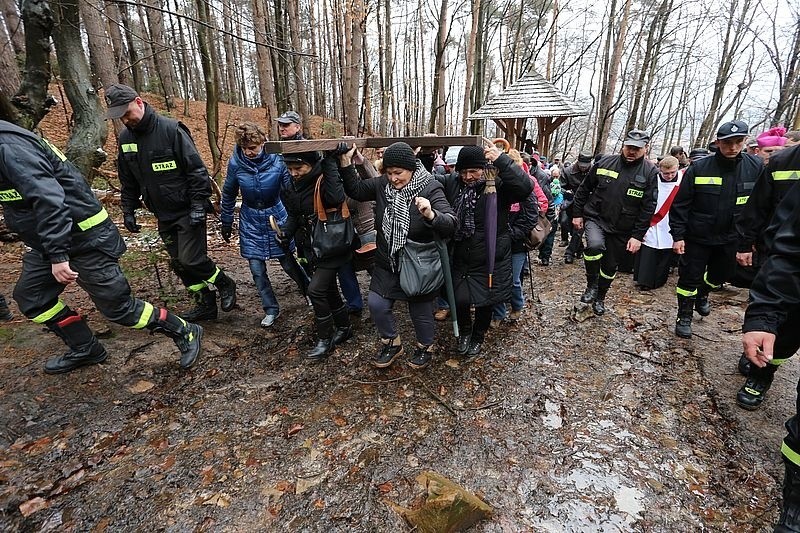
{"x": 532, "y": 96}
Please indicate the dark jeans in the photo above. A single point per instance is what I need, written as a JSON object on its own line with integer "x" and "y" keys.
{"x": 324, "y": 292}
{"x": 350, "y": 289}
{"x": 547, "y": 246}
{"x": 380, "y": 309}
{"x": 258, "y": 269}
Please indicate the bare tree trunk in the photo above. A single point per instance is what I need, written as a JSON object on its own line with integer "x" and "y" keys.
{"x": 264, "y": 67}
{"x": 212, "y": 84}
{"x": 161, "y": 50}
{"x": 137, "y": 68}
{"x": 231, "y": 75}
{"x": 279, "y": 62}
{"x": 316, "y": 67}
{"x": 297, "y": 65}
{"x": 100, "y": 48}
{"x": 736, "y": 22}
{"x": 9, "y": 81}
{"x": 140, "y": 29}
{"x": 183, "y": 66}
{"x": 85, "y": 144}
{"x": 388, "y": 106}
{"x": 367, "y": 86}
{"x": 480, "y": 64}
{"x": 16, "y": 33}
{"x": 605, "y": 113}
{"x": 437, "y": 97}
{"x": 470, "y": 66}
{"x": 31, "y": 102}
{"x": 121, "y": 63}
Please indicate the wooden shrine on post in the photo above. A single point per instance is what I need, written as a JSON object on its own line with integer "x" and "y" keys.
{"x": 532, "y": 96}
{"x": 311, "y": 145}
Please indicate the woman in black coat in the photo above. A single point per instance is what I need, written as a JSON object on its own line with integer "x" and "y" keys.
{"x": 332, "y": 317}
{"x": 410, "y": 205}
{"x": 465, "y": 190}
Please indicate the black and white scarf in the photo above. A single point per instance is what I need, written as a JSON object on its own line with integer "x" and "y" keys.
{"x": 396, "y": 217}
{"x": 465, "y": 210}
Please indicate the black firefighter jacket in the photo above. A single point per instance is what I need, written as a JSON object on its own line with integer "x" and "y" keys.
{"x": 712, "y": 193}
{"x": 158, "y": 163}
{"x": 776, "y": 288}
{"x": 47, "y": 201}
{"x": 782, "y": 172}
{"x": 620, "y": 196}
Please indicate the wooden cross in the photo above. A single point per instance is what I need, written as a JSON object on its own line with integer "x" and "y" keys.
{"x": 312, "y": 145}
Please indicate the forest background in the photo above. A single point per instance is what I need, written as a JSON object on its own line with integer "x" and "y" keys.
{"x": 408, "y": 67}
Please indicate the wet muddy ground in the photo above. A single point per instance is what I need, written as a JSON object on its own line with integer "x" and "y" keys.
{"x": 613, "y": 424}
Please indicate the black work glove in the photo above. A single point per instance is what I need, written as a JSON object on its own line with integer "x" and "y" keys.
{"x": 129, "y": 220}
{"x": 341, "y": 149}
{"x": 226, "y": 231}
{"x": 283, "y": 240}
{"x": 197, "y": 215}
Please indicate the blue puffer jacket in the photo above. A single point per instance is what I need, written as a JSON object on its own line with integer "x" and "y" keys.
{"x": 259, "y": 180}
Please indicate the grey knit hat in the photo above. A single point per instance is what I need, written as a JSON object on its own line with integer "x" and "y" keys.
{"x": 399, "y": 155}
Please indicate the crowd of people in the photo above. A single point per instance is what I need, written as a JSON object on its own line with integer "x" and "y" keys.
{"x": 451, "y": 236}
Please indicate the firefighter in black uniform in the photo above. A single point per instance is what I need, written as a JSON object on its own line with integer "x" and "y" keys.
{"x": 770, "y": 331}
{"x": 158, "y": 163}
{"x": 702, "y": 221}
{"x": 618, "y": 199}
{"x": 571, "y": 179}
{"x": 782, "y": 172}
{"x": 71, "y": 239}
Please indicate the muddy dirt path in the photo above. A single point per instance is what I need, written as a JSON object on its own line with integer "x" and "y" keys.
{"x": 613, "y": 424}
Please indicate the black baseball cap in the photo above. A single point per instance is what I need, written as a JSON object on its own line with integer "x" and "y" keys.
{"x": 734, "y": 128}
{"x": 289, "y": 117}
{"x": 637, "y": 138}
{"x": 118, "y": 96}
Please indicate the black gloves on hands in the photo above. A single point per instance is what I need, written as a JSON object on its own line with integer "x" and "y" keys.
{"x": 283, "y": 240}
{"x": 197, "y": 215}
{"x": 226, "y": 231}
{"x": 129, "y": 221}
{"x": 342, "y": 148}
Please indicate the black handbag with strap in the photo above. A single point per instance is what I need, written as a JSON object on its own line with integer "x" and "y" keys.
{"x": 333, "y": 231}
{"x": 421, "y": 269}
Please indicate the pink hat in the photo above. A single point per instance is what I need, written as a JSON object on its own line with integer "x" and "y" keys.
{"x": 772, "y": 137}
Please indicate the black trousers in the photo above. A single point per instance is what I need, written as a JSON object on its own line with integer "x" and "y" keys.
{"x": 99, "y": 274}
{"x": 483, "y": 314}
{"x": 705, "y": 267}
{"x": 324, "y": 293}
{"x": 188, "y": 250}
{"x": 787, "y": 342}
{"x": 608, "y": 248}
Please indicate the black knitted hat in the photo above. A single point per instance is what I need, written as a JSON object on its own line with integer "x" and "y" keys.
{"x": 471, "y": 157}
{"x": 399, "y": 155}
{"x": 309, "y": 158}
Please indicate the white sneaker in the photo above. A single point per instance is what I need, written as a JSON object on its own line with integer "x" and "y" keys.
{"x": 269, "y": 320}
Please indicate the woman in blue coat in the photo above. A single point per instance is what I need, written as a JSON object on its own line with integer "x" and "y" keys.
{"x": 258, "y": 176}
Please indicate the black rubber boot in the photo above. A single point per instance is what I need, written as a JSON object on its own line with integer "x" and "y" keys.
{"x": 391, "y": 349}
{"x": 463, "y": 342}
{"x": 569, "y": 257}
{"x": 789, "y": 520}
{"x": 744, "y": 366}
{"x": 701, "y": 303}
{"x": 754, "y": 390}
{"x": 5, "y": 312}
{"x": 227, "y": 291}
{"x": 84, "y": 348}
{"x": 187, "y": 336}
{"x": 592, "y": 275}
{"x": 344, "y": 330}
{"x": 599, "y": 305}
{"x": 205, "y": 306}
{"x": 683, "y": 325}
{"x": 324, "y": 344}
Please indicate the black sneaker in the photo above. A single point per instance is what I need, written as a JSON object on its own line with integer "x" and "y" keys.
{"x": 545, "y": 262}
{"x": 387, "y": 355}
{"x": 752, "y": 393}
{"x": 421, "y": 358}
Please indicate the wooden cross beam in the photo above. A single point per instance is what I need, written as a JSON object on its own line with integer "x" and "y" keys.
{"x": 312, "y": 145}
